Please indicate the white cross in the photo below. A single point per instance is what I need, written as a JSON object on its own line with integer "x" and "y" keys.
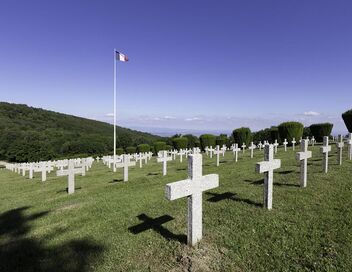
{"x": 267, "y": 167}
{"x": 276, "y": 144}
{"x": 285, "y": 143}
{"x": 164, "y": 159}
{"x": 349, "y": 144}
{"x": 70, "y": 172}
{"x": 140, "y": 157}
{"x": 43, "y": 167}
{"x": 293, "y": 143}
{"x": 303, "y": 157}
{"x": 340, "y": 144}
{"x": 260, "y": 145}
{"x": 211, "y": 150}
{"x": 206, "y": 149}
{"x": 313, "y": 141}
{"x": 126, "y": 162}
{"x": 181, "y": 153}
{"x": 217, "y": 153}
{"x": 192, "y": 188}
{"x": 243, "y": 147}
{"x": 325, "y": 149}
{"x": 235, "y": 151}
{"x": 251, "y": 148}
{"x": 223, "y": 150}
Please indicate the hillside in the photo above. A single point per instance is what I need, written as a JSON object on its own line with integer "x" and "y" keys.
{"x": 31, "y": 134}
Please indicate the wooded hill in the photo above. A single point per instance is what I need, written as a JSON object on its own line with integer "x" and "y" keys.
{"x": 32, "y": 134}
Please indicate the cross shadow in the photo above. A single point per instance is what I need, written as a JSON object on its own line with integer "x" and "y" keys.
{"x": 255, "y": 182}
{"x": 66, "y": 190}
{"x": 285, "y": 172}
{"x": 231, "y": 196}
{"x": 221, "y": 162}
{"x": 116, "y": 180}
{"x": 156, "y": 225}
{"x": 22, "y": 252}
{"x": 285, "y": 184}
{"x": 153, "y": 174}
{"x": 181, "y": 169}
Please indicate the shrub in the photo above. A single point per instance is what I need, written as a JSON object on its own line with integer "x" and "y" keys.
{"x": 131, "y": 149}
{"x": 290, "y": 130}
{"x": 222, "y": 140}
{"x": 180, "y": 143}
{"x": 321, "y": 130}
{"x": 193, "y": 141}
{"x": 347, "y": 118}
{"x": 262, "y": 135}
{"x": 274, "y": 134}
{"x": 307, "y": 132}
{"x": 159, "y": 146}
{"x": 242, "y": 135}
{"x": 119, "y": 151}
{"x": 207, "y": 140}
{"x": 142, "y": 148}
{"x": 168, "y": 147}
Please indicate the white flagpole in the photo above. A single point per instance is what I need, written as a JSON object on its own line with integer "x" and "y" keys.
{"x": 114, "y": 167}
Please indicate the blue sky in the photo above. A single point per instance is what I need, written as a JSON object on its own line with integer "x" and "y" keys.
{"x": 203, "y": 65}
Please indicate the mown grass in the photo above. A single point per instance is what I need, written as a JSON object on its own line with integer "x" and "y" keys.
{"x": 98, "y": 228}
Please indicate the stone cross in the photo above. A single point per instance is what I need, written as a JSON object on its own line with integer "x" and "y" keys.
{"x": 313, "y": 141}
{"x": 217, "y": 153}
{"x": 235, "y": 151}
{"x": 192, "y": 188}
{"x": 349, "y": 144}
{"x": 243, "y": 147}
{"x": 126, "y": 162}
{"x": 293, "y": 143}
{"x": 303, "y": 157}
{"x": 267, "y": 167}
{"x": 164, "y": 159}
{"x": 140, "y": 157}
{"x": 260, "y": 145}
{"x": 276, "y": 144}
{"x": 43, "y": 168}
{"x": 223, "y": 150}
{"x": 70, "y": 172}
{"x": 251, "y": 148}
{"x": 340, "y": 144}
{"x": 325, "y": 149}
{"x": 206, "y": 149}
{"x": 211, "y": 150}
{"x": 181, "y": 153}
{"x": 285, "y": 143}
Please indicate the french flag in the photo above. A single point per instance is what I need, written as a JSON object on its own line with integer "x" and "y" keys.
{"x": 121, "y": 57}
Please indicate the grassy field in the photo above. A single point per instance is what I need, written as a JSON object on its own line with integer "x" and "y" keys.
{"x": 109, "y": 225}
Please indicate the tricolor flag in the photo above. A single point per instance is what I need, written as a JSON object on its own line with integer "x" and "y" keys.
{"x": 121, "y": 57}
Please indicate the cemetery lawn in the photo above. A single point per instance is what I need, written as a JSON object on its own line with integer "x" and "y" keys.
{"x": 98, "y": 228}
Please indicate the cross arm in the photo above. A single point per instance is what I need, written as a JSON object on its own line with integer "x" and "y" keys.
{"x": 266, "y": 166}
{"x": 187, "y": 187}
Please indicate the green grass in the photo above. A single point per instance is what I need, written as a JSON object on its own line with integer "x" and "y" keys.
{"x": 96, "y": 229}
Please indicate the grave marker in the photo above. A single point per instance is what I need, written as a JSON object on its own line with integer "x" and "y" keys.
{"x": 303, "y": 157}
{"x": 325, "y": 149}
{"x": 192, "y": 188}
{"x": 164, "y": 159}
{"x": 267, "y": 167}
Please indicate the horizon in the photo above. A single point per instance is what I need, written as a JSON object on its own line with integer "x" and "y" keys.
{"x": 201, "y": 68}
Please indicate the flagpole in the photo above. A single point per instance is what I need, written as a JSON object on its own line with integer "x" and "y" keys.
{"x": 114, "y": 167}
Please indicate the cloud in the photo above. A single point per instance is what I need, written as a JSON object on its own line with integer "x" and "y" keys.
{"x": 169, "y": 117}
{"x": 109, "y": 115}
{"x": 193, "y": 119}
{"x": 311, "y": 113}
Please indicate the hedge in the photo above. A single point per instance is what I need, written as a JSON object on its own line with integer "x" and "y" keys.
{"x": 207, "y": 140}
{"x": 290, "y": 130}
{"x": 242, "y": 135}
{"x": 120, "y": 151}
{"x": 168, "y": 147}
{"x": 131, "y": 149}
{"x": 142, "y": 148}
{"x": 180, "y": 143}
{"x": 158, "y": 146}
{"x": 347, "y": 118}
{"x": 193, "y": 141}
{"x": 321, "y": 130}
{"x": 221, "y": 140}
{"x": 274, "y": 134}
